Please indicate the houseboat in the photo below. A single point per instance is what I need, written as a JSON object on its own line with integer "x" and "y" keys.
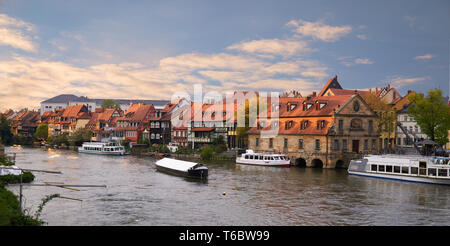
{"x": 109, "y": 148}
{"x": 413, "y": 168}
{"x": 182, "y": 168}
{"x": 263, "y": 159}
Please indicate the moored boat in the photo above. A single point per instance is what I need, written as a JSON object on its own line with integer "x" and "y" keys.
{"x": 414, "y": 168}
{"x": 109, "y": 148}
{"x": 263, "y": 159}
{"x": 182, "y": 168}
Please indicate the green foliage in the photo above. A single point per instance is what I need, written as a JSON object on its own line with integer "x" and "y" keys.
{"x": 79, "y": 136}
{"x": 207, "y": 153}
{"x": 10, "y": 214}
{"x": 27, "y": 177}
{"x": 432, "y": 115}
{"x": 220, "y": 148}
{"x": 58, "y": 140}
{"x": 41, "y": 132}
{"x": 109, "y": 103}
{"x": 5, "y": 161}
{"x": 6, "y": 135}
{"x": 386, "y": 114}
{"x": 22, "y": 140}
{"x": 44, "y": 201}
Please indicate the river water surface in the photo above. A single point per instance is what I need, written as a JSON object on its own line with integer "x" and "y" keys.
{"x": 137, "y": 194}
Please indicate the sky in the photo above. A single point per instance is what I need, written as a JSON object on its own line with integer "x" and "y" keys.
{"x": 153, "y": 49}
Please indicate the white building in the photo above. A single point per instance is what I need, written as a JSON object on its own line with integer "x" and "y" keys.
{"x": 64, "y": 100}
{"x": 410, "y": 125}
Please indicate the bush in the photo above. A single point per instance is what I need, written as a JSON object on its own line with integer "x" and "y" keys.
{"x": 220, "y": 148}
{"x": 207, "y": 153}
{"x": 27, "y": 177}
{"x": 10, "y": 214}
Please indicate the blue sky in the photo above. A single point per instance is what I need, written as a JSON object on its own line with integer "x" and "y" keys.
{"x": 152, "y": 49}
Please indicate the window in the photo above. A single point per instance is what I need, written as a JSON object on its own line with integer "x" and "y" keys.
{"x": 374, "y": 144}
{"x": 381, "y": 168}
{"x": 389, "y": 169}
{"x": 405, "y": 170}
{"x": 304, "y": 124}
{"x": 270, "y": 142}
{"x": 300, "y": 143}
{"x": 396, "y": 169}
{"x": 344, "y": 144}
{"x": 251, "y": 157}
{"x": 366, "y": 144}
{"x": 257, "y": 142}
{"x": 246, "y": 156}
{"x": 431, "y": 171}
{"x": 341, "y": 125}
{"x": 373, "y": 168}
{"x": 336, "y": 144}
{"x": 442, "y": 172}
{"x": 370, "y": 125}
{"x": 285, "y": 142}
{"x": 317, "y": 144}
{"x": 414, "y": 170}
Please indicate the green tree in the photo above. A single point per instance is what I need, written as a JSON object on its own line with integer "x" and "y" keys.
{"x": 79, "y": 136}
{"x": 109, "y": 103}
{"x": 207, "y": 153}
{"x": 6, "y": 135}
{"x": 432, "y": 115}
{"x": 41, "y": 131}
{"x": 386, "y": 115}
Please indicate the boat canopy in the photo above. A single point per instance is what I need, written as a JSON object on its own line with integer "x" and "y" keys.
{"x": 176, "y": 164}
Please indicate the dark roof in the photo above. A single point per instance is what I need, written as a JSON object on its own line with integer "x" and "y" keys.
{"x": 65, "y": 98}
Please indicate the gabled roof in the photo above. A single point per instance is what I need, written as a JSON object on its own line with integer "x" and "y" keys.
{"x": 65, "y": 98}
{"x": 332, "y": 83}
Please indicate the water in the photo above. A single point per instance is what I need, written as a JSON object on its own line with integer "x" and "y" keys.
{"x": 137, "y": 194}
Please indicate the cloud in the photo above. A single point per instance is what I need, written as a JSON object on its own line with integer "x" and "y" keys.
{"x": 319, "y": 30}
{"x": 349, "y": 61}
{"x": 362, "y": 36}
{"x": 401, "y": 81}
{"x": 411, "y": 20}
{"x": 424, "y": 57}
{"x": 284, "y": 48}
{"x": 12, "y": 33}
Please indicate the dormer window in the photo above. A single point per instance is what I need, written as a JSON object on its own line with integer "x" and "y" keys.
{"x": 307, "y": 106}
{"x": 322, "y": 104}
{"x": 304, "y": 125}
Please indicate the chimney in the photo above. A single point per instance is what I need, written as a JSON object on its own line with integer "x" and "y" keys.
{"x": 314, "y": 94}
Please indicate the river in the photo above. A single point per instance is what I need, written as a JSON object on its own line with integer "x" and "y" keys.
{"x": 138, "y": 194}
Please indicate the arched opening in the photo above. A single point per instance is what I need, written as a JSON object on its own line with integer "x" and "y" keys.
{"x": 300, "y": 162}
{"x": 317, "y": 163}
{"x": 340, "y": 164}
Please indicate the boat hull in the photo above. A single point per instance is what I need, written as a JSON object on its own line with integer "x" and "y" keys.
{"x": 416, "y": 179}
{"x": 197, "y": 173}
{"x": 265, "y": 163}
{"x": 100, "y": 153}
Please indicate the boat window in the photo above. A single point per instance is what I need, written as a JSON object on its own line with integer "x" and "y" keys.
{"x": 271, "y": 158}
{"x": 381, "y": 168}
{"x": 389, "y": 169}
{"x": 396, "y": 169}
{"x": 251, "y": 157}
{"x": 265, "y": 157}
{"x": 431, "y": 171}
{"x": 246, "y": 157}
{"x": 423, "y": 164}
{"x": 276, "y": 158}
{"x": 442, "y": 172}
{"x": 282, "y": 157}
{"x": 414, "y": 170}
{"x": 373, "y": 168}
{"x": 405, "y": 170}
{"x": 261, "y": 157}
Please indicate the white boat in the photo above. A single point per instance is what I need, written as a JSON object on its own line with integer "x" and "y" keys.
{"x": 414, "y": 168}
{"x": 182, "y": 168}
{"x": 109, "y": 148}
{"x": 10, "y": 170}
{"x": 263, "y": 159}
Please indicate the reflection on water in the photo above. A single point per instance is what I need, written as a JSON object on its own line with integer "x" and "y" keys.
{"x": 137, "y": 194}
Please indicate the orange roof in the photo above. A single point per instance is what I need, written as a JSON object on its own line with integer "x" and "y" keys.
{"x": 332, "y": 83}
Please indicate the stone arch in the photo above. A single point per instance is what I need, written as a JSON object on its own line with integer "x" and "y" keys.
{"x": 300, "y": 162}
{"x": 339, "y": 164}
{"x": 317, "y": 163}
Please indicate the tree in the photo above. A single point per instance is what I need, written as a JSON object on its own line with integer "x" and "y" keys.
{"x": 432, "y": 115}
{"x": 79, "y": 136}
{"x": 6, "y": 135}
{"x": 109, "y": 103}
{"x": 386, "y": 115}
{"x": 41, "y": 131}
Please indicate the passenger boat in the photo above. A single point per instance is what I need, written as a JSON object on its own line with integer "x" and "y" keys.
{"x": 263, "y": 159}
{"x": 182, "y": 168}
{"x": 109, "y": 148}
{"x": 414, "y": 168}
